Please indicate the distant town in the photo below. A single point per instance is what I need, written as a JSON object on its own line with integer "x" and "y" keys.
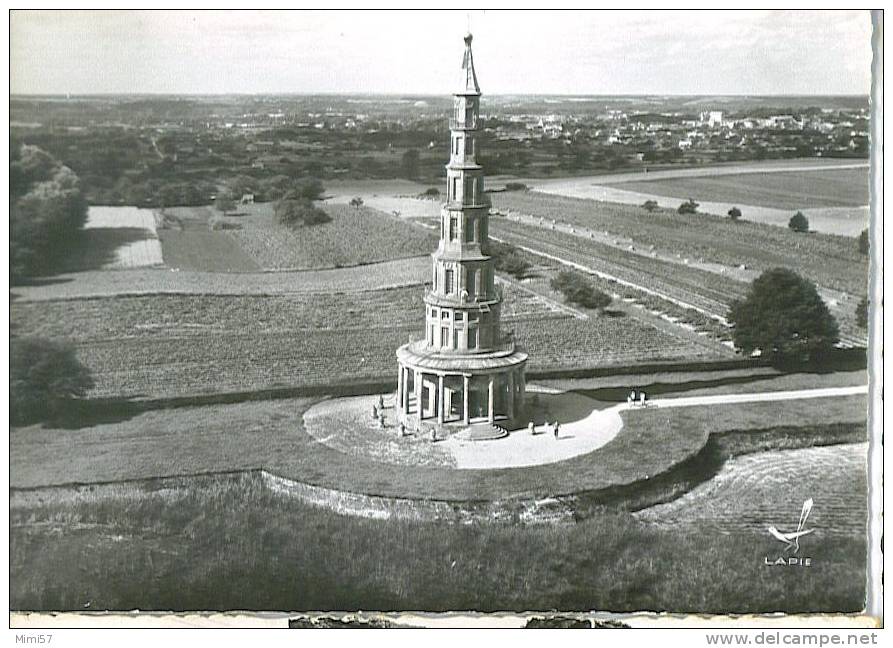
{"x": 157, "y": 150}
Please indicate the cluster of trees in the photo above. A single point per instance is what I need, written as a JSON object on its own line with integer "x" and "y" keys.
{"x": 296, "y": 207}
{"x": 44, "y": 376}
{"x": 577, "y": 289}
{"x": 864, "y": 244}
{"x": 784, "y": 318}
{"x": 46, "y": 210}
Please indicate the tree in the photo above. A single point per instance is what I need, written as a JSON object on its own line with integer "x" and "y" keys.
{"x": 577, "y": 289}
{"x": 295, "y": 213}
{"x": 688, "y": 207}
{"x": 798, "y": 223}
{"x": 43, "y": 376}
{"x": 862, "y": 313}
{"x": 307, "y": 189}
{"x": 784, "y": 317}
{"x": 356, "y": 202}
{"x": 734, "y": 213}
{"x": 649, "y": 205}
{"x": 410, "y": 164}
{"x": 864, "y": 244}
{"x": 225, "y": 202}
{"x": 47, "y": 209}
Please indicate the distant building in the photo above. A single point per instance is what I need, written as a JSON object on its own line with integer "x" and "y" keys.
{"x": 712, "y": 118}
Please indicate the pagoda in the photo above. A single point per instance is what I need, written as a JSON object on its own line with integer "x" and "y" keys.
{"x": 465, "y": 372}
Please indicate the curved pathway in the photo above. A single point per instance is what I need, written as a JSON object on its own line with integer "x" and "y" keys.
{"x": 799, "y": 394}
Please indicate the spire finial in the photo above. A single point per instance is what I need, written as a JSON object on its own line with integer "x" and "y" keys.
{"x": 470, "y": 80}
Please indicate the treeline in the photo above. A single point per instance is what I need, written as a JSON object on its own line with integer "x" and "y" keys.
{"x": 47, "y": 208}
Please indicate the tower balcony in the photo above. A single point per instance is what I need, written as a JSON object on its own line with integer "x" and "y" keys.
{"x": 464, "y": 300}
{"x": 464, "y": 125}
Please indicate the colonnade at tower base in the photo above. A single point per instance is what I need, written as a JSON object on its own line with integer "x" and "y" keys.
{"x": 435, "y": 390}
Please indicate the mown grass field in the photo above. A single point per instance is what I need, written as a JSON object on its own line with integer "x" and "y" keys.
{"x": 783, "y": 190}
{"x": 352, "y": 237}
{"x": 178, "y": 345}
{"x": 223, "y": 543}
{"x": 829, "y": 260}
{"x": 744, "y": 496}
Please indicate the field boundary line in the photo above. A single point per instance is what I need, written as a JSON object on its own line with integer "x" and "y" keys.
{"x": 604, "y": 275}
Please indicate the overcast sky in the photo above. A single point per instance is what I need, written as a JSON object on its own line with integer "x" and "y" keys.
{"x": 405, "y": 52}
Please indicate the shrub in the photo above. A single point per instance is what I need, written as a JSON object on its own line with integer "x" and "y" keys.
{"x": 650, "y": 205}
{"x": 734, "y": 213}
{"x": 356, "y": 202}
{"x": 688, "y": 207}
{"x": 515, "y": 186}
{"x": 577, "y": 289}
{"x": 507, "y": 259}
{"x": 799, "y": 223}
{"x": 432, "y": 192}
{"x": 43, "y": 376}
{"x": 296, "y": 213}
{"x": 305, "y": 189}
{"x": 217, "y": 223}
{"x": 784, "y": 317}
{"x": 862, "y": 313}
{"x": 864, "y": 244}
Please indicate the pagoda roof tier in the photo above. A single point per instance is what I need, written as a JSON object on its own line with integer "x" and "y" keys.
{"x": 464, "y": 167}
{"x": 418, "y": 356}
{"x": 471, "y": 253}
{"x": 455, "y": 205}
{"x": 450, "y": 301}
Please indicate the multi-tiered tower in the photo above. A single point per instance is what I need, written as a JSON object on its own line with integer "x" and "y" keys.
{"x": 465, "y": 370}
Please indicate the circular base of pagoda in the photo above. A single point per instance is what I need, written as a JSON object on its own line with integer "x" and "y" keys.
{"x": 446, "y": 392}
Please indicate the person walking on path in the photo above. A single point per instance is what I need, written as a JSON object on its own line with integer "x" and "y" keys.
{"x": 555, "y": 428}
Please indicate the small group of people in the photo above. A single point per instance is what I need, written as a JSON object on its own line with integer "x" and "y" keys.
{"x": 532, "y": 428}
{"x": 632, "y": 400}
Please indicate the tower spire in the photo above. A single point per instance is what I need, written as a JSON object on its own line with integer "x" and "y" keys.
{"x": 471, "y": 79}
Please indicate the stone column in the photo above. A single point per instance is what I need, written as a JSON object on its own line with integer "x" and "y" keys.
{"x": 490, "y": 394}
{"x": 399, "y": 396}
{"x": 465, "y": 395}
{"x": 418, "y": 394}
{"x": 440, "y": 400}
{"x": 511, "y": 395}
{"x": 405, "y": 395}
{"x": 522, "y": 393}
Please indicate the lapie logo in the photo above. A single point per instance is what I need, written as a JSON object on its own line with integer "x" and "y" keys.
{"x": 791, "y": 540}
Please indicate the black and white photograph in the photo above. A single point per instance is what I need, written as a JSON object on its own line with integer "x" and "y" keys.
{"x": 452, "y": 318}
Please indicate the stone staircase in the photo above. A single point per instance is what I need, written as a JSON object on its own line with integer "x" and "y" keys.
{"x": 482, "y": 432}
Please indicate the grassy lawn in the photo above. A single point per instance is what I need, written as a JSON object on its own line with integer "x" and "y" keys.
{"x": 270, "y": 435}
{"x": 225, "y": 542}
{"x": 204, "y": 251}
{"x": 785, "y": 190}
